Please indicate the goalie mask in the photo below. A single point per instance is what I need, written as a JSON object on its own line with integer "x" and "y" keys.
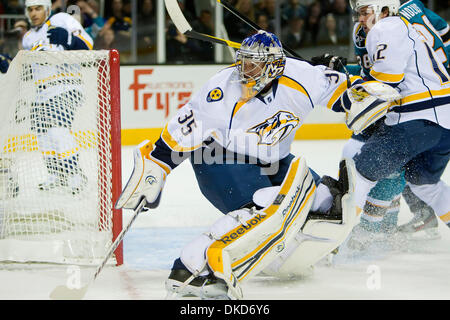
{"x": 260, "y": 60}
{"x": 375, "y": 6}
{"x": 47, "y": 4}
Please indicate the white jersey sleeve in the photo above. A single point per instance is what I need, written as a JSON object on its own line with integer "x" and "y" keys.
{"x": 72, "y": 25}
{"x": 389, "y": 49}
{"x": 36, "y": 38}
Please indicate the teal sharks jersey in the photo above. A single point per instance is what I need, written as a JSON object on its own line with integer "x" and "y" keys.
{"x": 434, "y": 28}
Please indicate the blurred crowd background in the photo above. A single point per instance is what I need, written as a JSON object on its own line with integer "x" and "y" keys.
{"x": 310, "y": 27}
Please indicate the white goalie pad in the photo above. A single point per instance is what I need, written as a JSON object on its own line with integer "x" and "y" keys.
{"x": 317, "y": 238}
{"x": 255, "y": 242}
{"x": 369, "y": 102}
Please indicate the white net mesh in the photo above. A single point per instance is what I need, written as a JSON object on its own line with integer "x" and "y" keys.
{"x": 55, "y": 158}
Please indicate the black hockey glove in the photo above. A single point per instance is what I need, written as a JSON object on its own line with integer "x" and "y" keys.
{"x": 5, "y": 60}
{"x": 58, "y": 36}
{"x": 327, "y": 60}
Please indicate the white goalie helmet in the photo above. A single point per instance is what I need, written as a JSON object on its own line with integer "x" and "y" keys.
{"x": 47, "y": 4}
{"x": 260, "y": 60}
{"x": 377, "y": 6}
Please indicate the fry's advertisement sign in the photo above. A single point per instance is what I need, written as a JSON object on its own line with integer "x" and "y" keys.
{"x": 150, "y": 95}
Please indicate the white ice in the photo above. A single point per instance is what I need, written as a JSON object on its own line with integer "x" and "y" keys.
{"x": 415, "y": 270}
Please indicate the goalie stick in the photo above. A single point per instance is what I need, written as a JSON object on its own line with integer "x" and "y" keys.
{"x": 63, "y": 292}
{"x": 185, "y": 28}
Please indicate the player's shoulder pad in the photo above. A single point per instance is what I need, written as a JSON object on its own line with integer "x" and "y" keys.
{"x": 389, "y": 29}
{"x": 296, "y": 67}
{"x": 61, "y": 19}
{"x": 215, "y": 87}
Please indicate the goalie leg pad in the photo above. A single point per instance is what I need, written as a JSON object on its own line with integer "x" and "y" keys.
{"x": 249, "y": 247}
{"x": 318, "y": 237}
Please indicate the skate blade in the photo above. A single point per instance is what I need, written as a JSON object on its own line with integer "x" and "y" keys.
{"x": 428, "y": 234}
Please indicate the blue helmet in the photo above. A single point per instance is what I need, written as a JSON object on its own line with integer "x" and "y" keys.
{"x": 260, "y": 60}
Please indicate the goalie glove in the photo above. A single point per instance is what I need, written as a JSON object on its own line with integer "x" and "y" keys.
{"x": 146, "y": 181}
{"x": 333, "y": 62}
{"x": 59, "y": 36}
{"x": 366, "y": 103}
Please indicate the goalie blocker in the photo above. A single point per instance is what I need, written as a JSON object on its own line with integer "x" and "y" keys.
{"x": 247, "y": 241}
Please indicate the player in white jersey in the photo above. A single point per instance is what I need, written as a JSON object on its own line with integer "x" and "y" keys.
{"x": 379, "y": 217}
{"x": 58, "y": 94}
{"x": 415, "y": 134}
{"x": 237, "y": 131}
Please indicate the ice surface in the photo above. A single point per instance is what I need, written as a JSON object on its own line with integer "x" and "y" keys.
{"x": 411, "y": 270}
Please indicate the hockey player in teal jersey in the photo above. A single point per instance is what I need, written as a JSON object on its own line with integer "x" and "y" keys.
{"x": 380, "y": 213}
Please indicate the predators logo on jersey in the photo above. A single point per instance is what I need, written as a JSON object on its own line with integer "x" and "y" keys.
{"x": 215, "y": 94}
{"x": 275, "y": 128}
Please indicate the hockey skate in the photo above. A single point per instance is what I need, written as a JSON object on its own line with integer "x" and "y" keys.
{"x": 75, "y": 183}
{"x": 179, "y": 285}
{"x": 423, "y": 226}
{"x": 361, "y": 238}
{"x": 9, "y": 186}
{"x": 52, "y": 182}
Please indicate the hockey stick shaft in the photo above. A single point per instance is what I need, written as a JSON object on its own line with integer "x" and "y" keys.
{"x": 230, "y": 8}
{"x": 66, "y": 293}
{"x": 119, "y": 238}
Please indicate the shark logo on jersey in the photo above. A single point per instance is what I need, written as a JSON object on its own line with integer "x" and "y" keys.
{"x": 275, "y": 128}
{"x": 215, "y": 94}
{"x": 360, "y": 37}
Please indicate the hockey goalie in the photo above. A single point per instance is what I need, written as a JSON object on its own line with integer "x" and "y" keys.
{"x": 280, "y": 217}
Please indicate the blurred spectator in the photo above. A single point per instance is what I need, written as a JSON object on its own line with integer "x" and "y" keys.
{"x": 342, "y": 14}
{"x": 313, "y": 23}
{"x": 293, "y": 9}
{"x": 121, "y": 25}
{"x": 21, "y": 27}
{"x": 105, "y": 40}
{"x": 90, "y": 18}
{"x": 262, "y": 20}
{"x": 328, "y": 33}
{"x": 180, "y": 48}
{"x": 293, "y": 36}
{"x": 177, "y": 50}
{"x": 237, "y": 29}
{"x": 268, "y": 8}
{"x": 445, "y": 10}
{"x": 11, "y": 42}
{"x": 146, "y": 32}
{"x": 14, "y": 7}
{"x": 202, "y": 50}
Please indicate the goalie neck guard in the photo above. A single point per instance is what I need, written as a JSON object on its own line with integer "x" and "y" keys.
{"x": 260, "y": 60}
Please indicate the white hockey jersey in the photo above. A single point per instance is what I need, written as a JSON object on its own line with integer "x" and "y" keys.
{"x": 51, "y": 81}
{"x": 262, "y": 127}
{"x": 36, "y": 38}
{"x": 400, "y": 56}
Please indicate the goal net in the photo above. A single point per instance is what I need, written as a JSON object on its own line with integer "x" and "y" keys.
{"x": 60, "y": 157}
